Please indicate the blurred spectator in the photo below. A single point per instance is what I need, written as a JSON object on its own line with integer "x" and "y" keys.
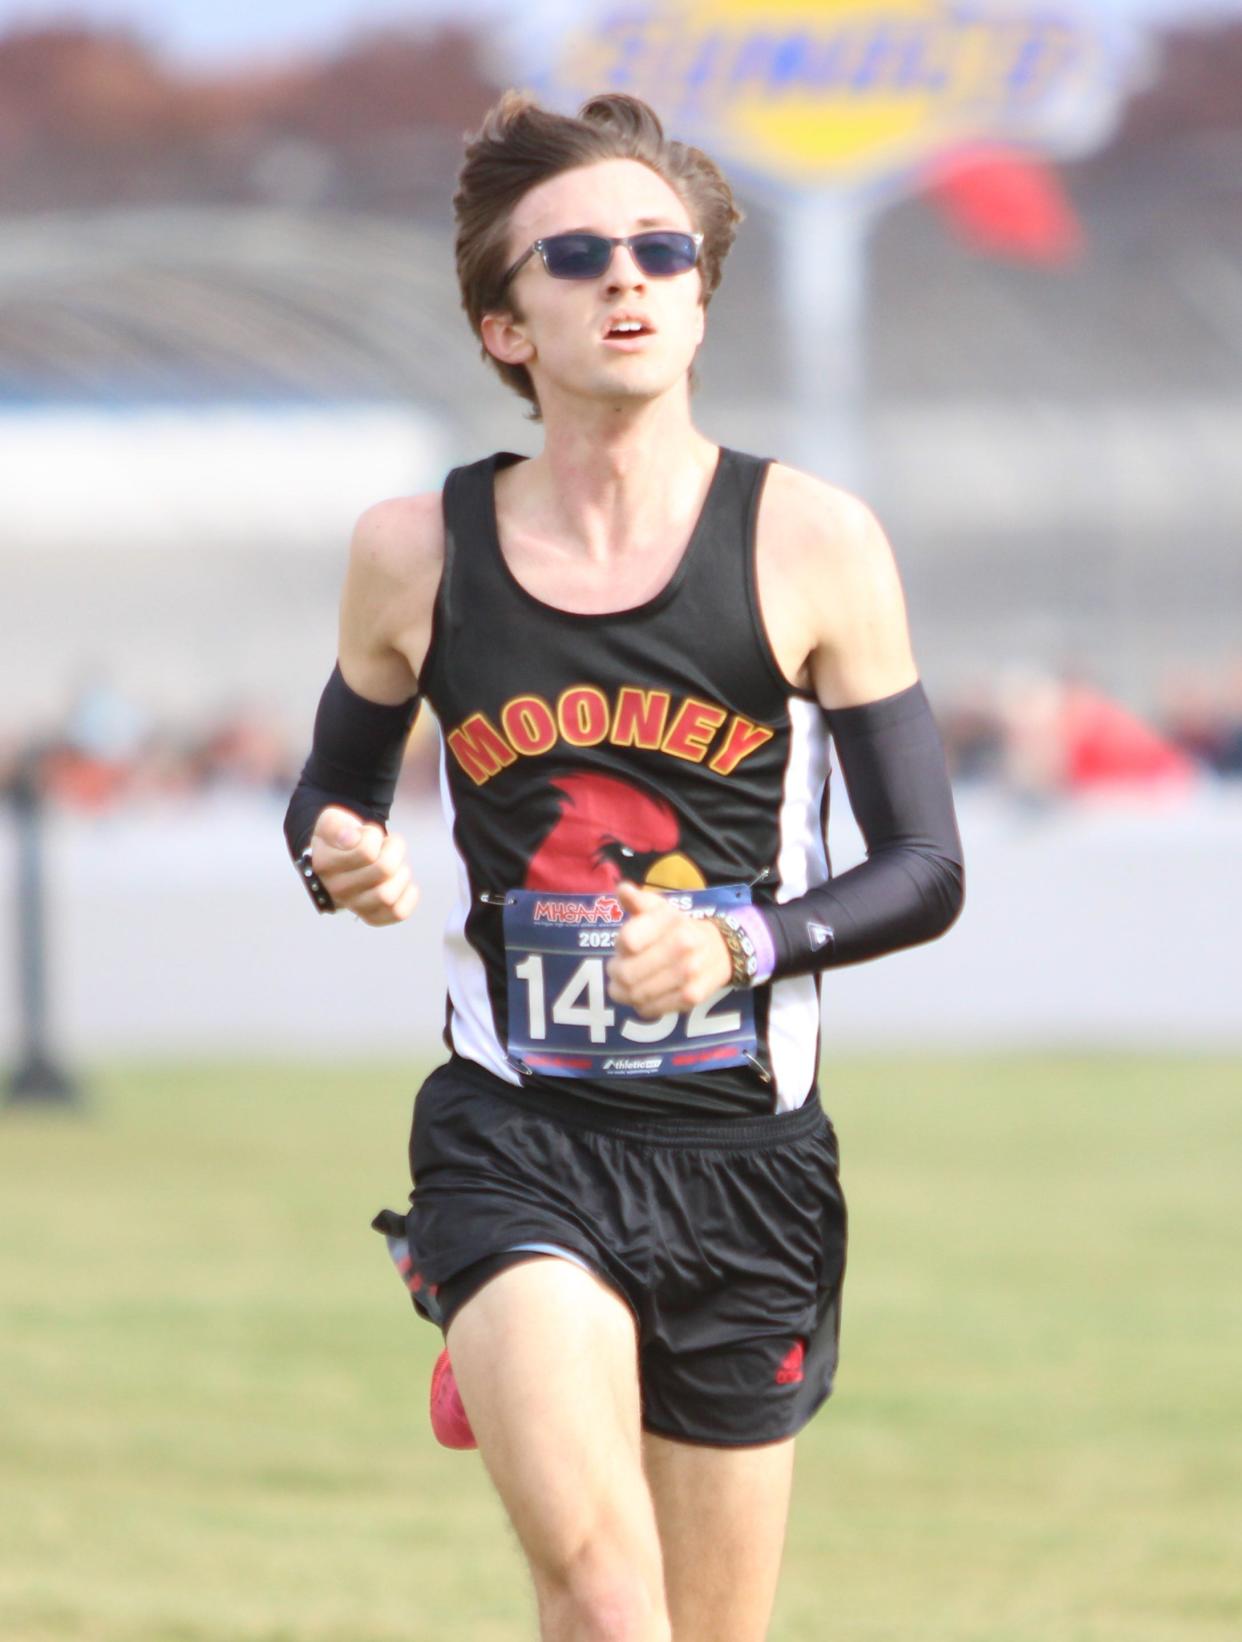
{"x": 1229, "y": 757}
{"x": 1106, "y": 745}
{"x": 165, "y": 767}
{"x": 87, "y": 763}
{"x": 1191, "y": 714}
{"x": 1065, "y": 735}
{"x": 246, "y": 750}
{"x": 1203, "y": 716}
{"x": 973, "y": 736}
{"x": 1028, "y": 732}
{"x": 1034, "y": 762}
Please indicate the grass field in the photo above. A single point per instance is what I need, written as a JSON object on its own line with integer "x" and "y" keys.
{"x": 212, "y": 1387}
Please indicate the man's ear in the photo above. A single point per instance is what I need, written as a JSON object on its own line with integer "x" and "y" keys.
{"x": 504, "y": 337}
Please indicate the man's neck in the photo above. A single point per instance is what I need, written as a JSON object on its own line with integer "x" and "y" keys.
{"x": 615, "y": 477}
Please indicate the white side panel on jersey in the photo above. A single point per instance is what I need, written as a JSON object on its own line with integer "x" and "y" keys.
{"x": 802, "y": 863}
{"x": 472, "y": 1028}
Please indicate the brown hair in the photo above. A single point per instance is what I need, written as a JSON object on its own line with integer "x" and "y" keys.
{"x": 520, "y": 145}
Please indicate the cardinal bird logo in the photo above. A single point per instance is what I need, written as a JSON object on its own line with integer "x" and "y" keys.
{"x": 607, "y": 830}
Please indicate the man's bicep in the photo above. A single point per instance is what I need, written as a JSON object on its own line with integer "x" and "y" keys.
{"x": 863, "y": 650}
{"x": 388, "y": 599}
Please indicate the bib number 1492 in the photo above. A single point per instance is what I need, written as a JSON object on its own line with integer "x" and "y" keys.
{"x": 561, "y": 1021}
{"x": 583, "y": 1002}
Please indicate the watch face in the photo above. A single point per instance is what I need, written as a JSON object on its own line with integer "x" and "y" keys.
{"x": 314, "y": 885}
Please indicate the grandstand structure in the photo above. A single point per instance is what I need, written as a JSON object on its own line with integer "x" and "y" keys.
{"x": 197, "y": 396}
{"x": 194, "y": 304}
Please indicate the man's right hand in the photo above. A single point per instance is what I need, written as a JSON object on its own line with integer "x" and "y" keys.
{"x": 363, "y": 868}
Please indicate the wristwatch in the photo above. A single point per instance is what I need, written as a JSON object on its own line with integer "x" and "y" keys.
{"x": 315, "y": 887}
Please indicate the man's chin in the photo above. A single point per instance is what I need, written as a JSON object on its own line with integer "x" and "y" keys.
{"x": 633, "y": 387}
{"x": 620, "y": 389}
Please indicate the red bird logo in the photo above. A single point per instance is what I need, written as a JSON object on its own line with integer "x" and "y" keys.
{"x": 608, "y": 830}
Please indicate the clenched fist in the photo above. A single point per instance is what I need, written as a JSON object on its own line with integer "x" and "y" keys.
{"x": 664, "y": 960}
{"x": 363, "y": 869}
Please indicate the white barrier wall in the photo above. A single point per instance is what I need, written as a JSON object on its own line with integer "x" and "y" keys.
{"x": 184, "y": 931}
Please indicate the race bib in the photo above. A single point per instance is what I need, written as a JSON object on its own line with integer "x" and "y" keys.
{"x": 562, "y": 1022}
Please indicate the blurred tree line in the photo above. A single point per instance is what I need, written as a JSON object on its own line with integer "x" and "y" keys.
{"x": 92, "y": 116}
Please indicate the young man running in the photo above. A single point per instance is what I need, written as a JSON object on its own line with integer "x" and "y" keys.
{"x": 626, "y": 1213}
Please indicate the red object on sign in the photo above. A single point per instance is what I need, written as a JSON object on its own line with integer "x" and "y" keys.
{"x": 1003, "y": 202}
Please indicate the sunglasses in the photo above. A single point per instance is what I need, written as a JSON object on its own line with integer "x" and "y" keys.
{"x": 660, "y": 253}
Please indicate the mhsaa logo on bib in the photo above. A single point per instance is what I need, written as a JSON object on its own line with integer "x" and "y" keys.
{"x": 604, "y": 909}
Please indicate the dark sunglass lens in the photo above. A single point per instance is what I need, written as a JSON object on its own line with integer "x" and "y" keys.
{"x": 576, "y": 256}
{"x": 659, "y": 254}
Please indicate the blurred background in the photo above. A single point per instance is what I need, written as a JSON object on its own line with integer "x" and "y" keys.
{"x": 228, "y": 323}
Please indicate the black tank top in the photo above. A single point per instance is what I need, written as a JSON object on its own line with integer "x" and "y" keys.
{"x": 659, "y": 744}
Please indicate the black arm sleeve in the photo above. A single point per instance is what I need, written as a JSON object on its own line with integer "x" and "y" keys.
{"x": 355, "y": 759}
{"x": 912, "y": 884}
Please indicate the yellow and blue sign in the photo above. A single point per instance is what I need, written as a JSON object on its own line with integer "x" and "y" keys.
{"x": 849, "y": 95}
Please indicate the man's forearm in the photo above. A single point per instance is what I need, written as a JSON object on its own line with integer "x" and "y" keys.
{"x": 911, "y": 886}
{"x": 355, "y": 759}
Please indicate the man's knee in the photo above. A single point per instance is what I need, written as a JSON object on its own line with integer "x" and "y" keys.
{"x": 598, "y": 1593}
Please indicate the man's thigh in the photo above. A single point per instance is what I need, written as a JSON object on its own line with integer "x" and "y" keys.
{"x": 545, "y": 1357}
{"x": 721, "y": 1514}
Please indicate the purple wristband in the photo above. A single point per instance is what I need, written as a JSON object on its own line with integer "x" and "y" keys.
{"x": 756, "y": 926}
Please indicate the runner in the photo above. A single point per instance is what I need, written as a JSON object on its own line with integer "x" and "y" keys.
{"x": 627, "y": 1215}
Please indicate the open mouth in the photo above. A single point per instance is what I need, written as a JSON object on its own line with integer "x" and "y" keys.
{"x": 626, "y": 330}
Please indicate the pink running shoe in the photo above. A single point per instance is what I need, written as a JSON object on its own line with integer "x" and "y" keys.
{"x": 449, "y": 1420}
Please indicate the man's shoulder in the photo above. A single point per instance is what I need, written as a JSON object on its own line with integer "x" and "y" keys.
{"x": 810, "y": 521}
{"x": 831, "y": 590}
{"x": 400, "y": 539}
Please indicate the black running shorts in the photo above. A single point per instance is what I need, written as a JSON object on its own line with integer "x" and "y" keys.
{"x": 725, "y": 1238}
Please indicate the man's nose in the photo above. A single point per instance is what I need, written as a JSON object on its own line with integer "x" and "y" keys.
{"x": 623, "y": 271}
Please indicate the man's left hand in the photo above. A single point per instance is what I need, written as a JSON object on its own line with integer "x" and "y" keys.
{"x": 664, "y": 962}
